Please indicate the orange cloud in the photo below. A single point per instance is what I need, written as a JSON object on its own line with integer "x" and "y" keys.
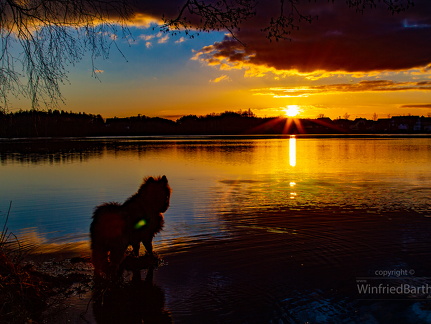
{"x": 363, "y": 86}
{"x": 162, "y": 39}
{"x": 180, "y": 40}
{"x": 221, "y": 78}
{"x": 142, "y": 20}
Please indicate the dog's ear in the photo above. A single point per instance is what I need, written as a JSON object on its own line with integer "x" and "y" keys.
{"x": 150, "y": 180}
{"x": 164, "y": 179}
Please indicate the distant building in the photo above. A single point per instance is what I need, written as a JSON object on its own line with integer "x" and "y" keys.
{"x": 382, "y": 125}
{"x": 426, "y": 124}
{"x": 405, "y": 123}
{"x": 343, "y": 124}
{"x": 362, "y": 125}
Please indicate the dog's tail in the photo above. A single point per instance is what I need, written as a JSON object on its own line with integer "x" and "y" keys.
{"x": 108, "y": 223}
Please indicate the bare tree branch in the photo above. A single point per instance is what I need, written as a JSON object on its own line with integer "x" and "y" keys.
{"x": 41, "y": 39}
{"x": 199, "y": 16}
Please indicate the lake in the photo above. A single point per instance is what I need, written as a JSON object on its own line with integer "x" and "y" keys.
{"x": 260, "y": 229}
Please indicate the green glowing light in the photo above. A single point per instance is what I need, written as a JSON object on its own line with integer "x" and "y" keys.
{"x": 140, "y": 224}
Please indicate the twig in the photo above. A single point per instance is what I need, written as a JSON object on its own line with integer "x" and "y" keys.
{"x": 3, "y": 233}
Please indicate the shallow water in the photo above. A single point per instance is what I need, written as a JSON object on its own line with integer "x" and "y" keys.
{"x": 259, "y": 229}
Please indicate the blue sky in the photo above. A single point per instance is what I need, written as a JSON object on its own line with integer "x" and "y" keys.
{"x": 143, "y": 78}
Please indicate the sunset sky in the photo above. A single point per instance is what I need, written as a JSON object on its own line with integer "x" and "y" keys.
{"x": 344, "y": 62}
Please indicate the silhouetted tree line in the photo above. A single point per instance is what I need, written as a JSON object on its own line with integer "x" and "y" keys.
{"x": 55, "y": 123}
{"x": 50, "y": 123}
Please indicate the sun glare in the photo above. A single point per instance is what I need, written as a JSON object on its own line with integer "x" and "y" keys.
{"x": 291, "y": 110}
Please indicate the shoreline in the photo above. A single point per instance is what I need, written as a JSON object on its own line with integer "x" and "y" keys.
{"x": 168, "y": 137}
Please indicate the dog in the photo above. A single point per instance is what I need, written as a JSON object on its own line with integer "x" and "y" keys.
{"x": 115, "y": 226}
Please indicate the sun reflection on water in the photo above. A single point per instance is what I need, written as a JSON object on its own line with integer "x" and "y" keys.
{"x": 292, "y": 150}
{"x": 293, "y": 194}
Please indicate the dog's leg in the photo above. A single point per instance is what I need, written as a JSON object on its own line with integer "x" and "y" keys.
{"x": 99, "y": 259}
{"x": 136, "y": 247}
{"x": 116, "y": 257}
{"x": 148, "y": 243}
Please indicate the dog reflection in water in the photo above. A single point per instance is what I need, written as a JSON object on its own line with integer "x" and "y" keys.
{"x": 116, "y": 226}
{"x": 138, "y": 301}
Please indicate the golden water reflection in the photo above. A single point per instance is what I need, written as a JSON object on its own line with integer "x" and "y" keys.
{"x": 292, "y": 162}
{"x": 292, "y": 150}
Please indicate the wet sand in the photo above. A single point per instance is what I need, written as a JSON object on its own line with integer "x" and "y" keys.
{"x": 282, "y": 266}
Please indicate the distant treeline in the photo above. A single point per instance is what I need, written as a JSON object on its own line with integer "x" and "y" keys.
{"x": 56, "y": 123}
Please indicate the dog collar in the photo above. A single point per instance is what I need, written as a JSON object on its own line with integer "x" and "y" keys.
{"x": 140, "y": 223}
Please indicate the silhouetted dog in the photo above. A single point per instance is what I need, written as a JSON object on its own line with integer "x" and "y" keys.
{"x": 116, "y": 226}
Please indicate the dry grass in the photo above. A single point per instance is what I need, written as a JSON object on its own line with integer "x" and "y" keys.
{"x": 26, "y": 289}
{"x": 21, "y": 291}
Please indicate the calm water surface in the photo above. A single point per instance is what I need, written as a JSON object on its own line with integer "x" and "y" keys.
{"x": 259, "y": 229}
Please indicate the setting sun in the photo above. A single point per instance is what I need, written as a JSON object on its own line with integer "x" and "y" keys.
{"x": 291, "y": 110}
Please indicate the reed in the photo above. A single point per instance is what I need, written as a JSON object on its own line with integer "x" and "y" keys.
{"x": 21, "y": 289}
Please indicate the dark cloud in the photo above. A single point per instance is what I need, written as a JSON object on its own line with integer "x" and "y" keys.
{"x": 363, "y": 86}
{"x": 339, "y": 39}
{"x": 377, "y": 85}
{"x": 167, "y": 8}
{"x": 424, "y": 106}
